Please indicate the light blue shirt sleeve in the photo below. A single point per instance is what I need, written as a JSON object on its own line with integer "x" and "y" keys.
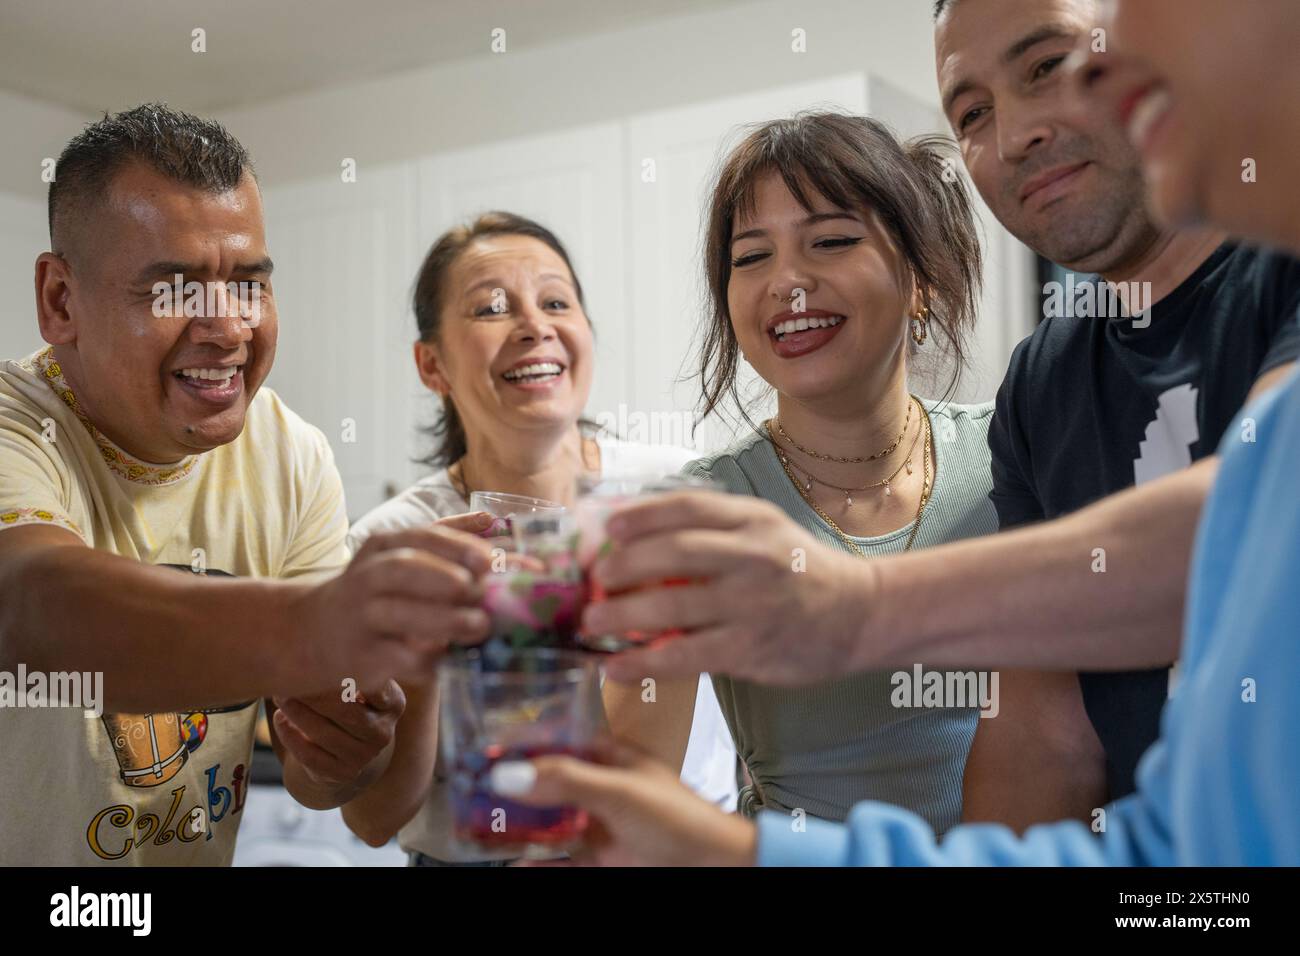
{"x": 878, "y": 834}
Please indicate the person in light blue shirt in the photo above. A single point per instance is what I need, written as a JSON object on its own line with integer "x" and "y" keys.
{"x": 1222, "y": 784}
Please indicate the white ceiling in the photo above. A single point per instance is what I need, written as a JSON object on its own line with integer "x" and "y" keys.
{"x": 93, "y": 55}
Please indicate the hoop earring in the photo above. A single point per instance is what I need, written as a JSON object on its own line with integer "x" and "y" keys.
{"x": 920, "y": 327}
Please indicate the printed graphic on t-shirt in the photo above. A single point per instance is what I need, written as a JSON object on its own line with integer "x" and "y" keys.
{"x": 1167, "y": 447}
{"x": 151, "y": 749}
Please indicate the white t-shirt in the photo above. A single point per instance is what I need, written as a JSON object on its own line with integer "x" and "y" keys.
{"x": 710, "y": 764}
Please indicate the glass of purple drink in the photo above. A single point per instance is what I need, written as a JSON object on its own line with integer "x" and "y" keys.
{"x": 533, "y": 702}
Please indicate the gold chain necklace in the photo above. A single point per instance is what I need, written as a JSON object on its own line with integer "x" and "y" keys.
{"x": 920, "y": 507}
{"x": 848, "y": 492}
{"x": 885, "y": 453}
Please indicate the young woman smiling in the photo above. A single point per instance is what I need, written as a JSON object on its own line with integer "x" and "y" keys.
{"x": 506, "y": 343}
{"x": 834, "y": 254}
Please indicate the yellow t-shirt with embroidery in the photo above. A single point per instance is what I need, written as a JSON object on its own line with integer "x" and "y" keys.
{"x": 149, "y": 789}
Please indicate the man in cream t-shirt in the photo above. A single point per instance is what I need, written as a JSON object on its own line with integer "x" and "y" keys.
{"x": 168, "y": 787}
{"x": 173, "y": 535}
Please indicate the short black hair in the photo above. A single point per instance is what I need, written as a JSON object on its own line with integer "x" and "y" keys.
{"x": 940, "y": 6}
{"x": 181, "y": 146}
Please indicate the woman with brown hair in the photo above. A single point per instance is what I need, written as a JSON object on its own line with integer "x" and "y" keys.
{"x": 506, "y": 343}
{"x": 836, "y": 256}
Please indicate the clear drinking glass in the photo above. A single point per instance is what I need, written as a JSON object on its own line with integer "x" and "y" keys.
{"x": 504, "y": 507}
{"x": 536, "y": 701}
{"x": 534, "y": 597}
{"x": 597, "y": 499}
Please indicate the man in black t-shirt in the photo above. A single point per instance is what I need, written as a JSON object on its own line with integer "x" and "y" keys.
{"x": 1092, "y": 406}
{"x": 1132, "y": 376}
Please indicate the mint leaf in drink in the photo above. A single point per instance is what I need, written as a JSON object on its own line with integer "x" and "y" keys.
{"x": 521, "y": 635}
{"x": 545, "y": 607}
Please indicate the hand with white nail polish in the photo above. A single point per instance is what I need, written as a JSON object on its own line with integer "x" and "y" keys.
{"x": 641, "y": 813}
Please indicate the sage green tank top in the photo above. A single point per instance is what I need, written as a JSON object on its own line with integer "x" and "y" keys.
{"x": 823, "y": 748}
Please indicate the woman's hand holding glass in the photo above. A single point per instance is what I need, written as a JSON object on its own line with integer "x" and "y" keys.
{"x": 637, "y": 811}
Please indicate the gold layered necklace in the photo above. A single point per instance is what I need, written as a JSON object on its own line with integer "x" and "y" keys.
{"x": 883, "y": 453}
{"x": 805, "y": 487}
{"x": 886, "y": 483}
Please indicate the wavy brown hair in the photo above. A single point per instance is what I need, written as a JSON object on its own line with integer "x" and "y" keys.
{"x": 856, "y": 163}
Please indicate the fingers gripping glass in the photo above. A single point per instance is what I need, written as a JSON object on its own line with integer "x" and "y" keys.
{"x": 597, "y": 500}
{"x": 535, "y": 701}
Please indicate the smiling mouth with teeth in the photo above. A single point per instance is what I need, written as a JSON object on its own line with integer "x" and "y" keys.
{"x": 537, "y": 372}
{"x": 208, "y": 377}
{"x": 789, "y": 326}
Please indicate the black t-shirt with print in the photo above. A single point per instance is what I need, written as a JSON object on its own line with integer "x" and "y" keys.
{"x": 1091, "y": 406}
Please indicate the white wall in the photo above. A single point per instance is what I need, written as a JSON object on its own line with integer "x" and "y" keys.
{"x": 670, "y": 62}
{"x": 33, "y": 132}
{"x": 23, "y": 236}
